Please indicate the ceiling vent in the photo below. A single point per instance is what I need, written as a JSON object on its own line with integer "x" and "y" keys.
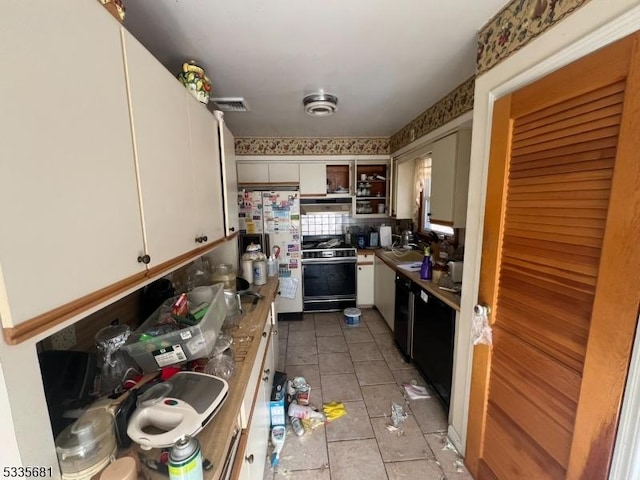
{"x": 320, "y": 104}
{"x": 231, "y": 104}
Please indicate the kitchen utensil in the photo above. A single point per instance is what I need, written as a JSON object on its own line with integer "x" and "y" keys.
{"x": 181, "y": 406}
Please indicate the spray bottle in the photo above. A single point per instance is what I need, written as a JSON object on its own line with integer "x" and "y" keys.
{"x": 425, "y": 269}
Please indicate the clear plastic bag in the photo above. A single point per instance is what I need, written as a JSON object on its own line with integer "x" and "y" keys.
{"x": 221, "y": 365}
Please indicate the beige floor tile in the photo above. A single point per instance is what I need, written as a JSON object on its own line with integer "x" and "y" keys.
{"x": 356, "y": 459}
{"x": 332, "y": 344}
{"x": 384, "y": 340}
{"x": 283, "y": 330}
{"x": 328, "y": 328}
{"x": 282, "y": 362}
{"x": 394, "y": 358}
{"x": 307, "y": 452}
{"x": 305, "y": 338}
{"x": 430, "y": 414}
{"x": 409, "y": 375}
{"x": 414, "y": 469}
{"x": 328, "y": 316}
{"x": 450, "y": 460}
{"x": 310, "y": 372}
{"x": 378, "y": 325}
{"x": 407, "y": 443}
{"x": 331, "y": 363}
{"x": 307, "y": 323}
{"x": 320, "y": 474}
{"x": 362, "y": 352}
{"x": 378, "y": 398}
{"x": 373, "y": 373}
{"x": 355, "y": 425}
{"x": 370, "y": 314}
{"x": 340, "y": 388}
{"x": 357, "y": 334}
{"x": 302, "y": 355}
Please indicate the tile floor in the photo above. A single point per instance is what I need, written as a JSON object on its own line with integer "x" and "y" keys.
{"x": 361, "y": 367}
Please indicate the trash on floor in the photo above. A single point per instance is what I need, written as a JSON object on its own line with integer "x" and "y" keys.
{"x": 304, "y": 411}
{"x": 459, "y": 464}
{"x": 416, "y": 392}
{"x": 301, "y": 390}
{"x": 334, "y": 410}
{"x": 398, "y": 415}
{"x": 278, "y": 434}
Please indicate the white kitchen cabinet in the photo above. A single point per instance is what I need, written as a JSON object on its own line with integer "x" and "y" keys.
{"x": 364, "y": 278}
{"x": 450, "y": 158}
{"x": 282, "y": 173}
{"x": 313, "y": 179}
{"x": 402, "y": 191}
{"x": 159, "y": 114}
{"x": 205, "y": 158}
{"x": 68, "y": 194}
{"x": 258, "y": 430}
{"x": 255, "y": 172}
{"x": 229, "y": 177}
{"x": 385, "y": 291}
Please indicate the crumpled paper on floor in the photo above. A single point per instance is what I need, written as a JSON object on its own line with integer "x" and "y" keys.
{"x": 333, "y": 410}
{"x": 416, "y": 392}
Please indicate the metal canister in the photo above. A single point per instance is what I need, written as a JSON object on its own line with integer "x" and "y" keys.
{"x": 259, "y": 272}
{"x": 185, "y": 460}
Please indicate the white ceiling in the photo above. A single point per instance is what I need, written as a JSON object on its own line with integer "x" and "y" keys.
{"x": 386, "y": 61}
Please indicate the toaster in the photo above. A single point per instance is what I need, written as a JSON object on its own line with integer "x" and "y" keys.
{"x": 455, "y": 271}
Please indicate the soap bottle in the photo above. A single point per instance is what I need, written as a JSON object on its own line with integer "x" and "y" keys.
{"x": 425, "y": 269}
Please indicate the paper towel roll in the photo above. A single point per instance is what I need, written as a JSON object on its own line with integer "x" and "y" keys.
{"x": 385, "y": 236}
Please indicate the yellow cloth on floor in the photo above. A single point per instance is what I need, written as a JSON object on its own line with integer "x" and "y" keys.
{"x": 333, "y": 410}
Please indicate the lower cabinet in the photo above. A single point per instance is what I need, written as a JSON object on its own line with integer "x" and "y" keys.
{"x": 364, "y": 280}
{"x": 384, "y": 291}
{"x": 252, "y": 452}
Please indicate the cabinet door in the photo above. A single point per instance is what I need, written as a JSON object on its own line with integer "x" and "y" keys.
{"x": 205, "y": 157}
{"x": 68, "y": 194}
{"x": 284, "y": 173}
{"x": 365, "y": 285}
{"x": 385, "y": 292}
{"x": 253, "y": 172}
{"x": 403, "y": 191}
{"x": 443, "y": 171}
{"x": 313, "y": 179}
{"x": 161, "y": 126}
{"x": 229, "y": 178}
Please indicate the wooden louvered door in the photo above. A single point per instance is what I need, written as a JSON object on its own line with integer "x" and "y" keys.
{"x": 560, "y": 270}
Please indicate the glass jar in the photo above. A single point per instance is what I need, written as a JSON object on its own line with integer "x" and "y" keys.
{"x": 225, "y": 274}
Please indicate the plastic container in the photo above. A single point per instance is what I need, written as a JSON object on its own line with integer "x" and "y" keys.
{"x": 352, "y": 317}
{"x": 426, "y": 269}
{"x": 225, "y": 274}
{"x": 259, "y": 272}
{"x": 87, "y": 445}
{"x": 181, "y": 345}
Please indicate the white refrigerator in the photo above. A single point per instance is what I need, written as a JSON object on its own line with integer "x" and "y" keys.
{"x": 275, "y": 215}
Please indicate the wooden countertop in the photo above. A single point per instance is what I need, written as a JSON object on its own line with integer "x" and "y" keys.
{"x": 450, "y": 298}
{"x": 215, "y": 439}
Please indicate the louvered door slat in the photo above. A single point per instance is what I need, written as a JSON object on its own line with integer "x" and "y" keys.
{"x": 589, "y": 136}
{"x": 553, "y": 246}
{"x": 605, "y": 147}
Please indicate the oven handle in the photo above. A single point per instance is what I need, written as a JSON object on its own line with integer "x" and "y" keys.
{"x": 328, "y": 261}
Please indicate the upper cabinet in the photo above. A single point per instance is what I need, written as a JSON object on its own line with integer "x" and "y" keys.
{"x": 402, "y": 190}
{"x": 313, "y": 179}
{"x": 450, "y": 179}
{"x": 159, "y": 116}
{"x": 372, "y": 188}
{"x": 229, "y": 177}
{"x": 321, "y": 179}
{"x": 205, "y": 158}
{"x": 68, "y": 195}
{"x": 263, "y": 173}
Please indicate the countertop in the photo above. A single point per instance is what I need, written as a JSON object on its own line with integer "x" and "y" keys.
{"x": 393, "y": 259}
{"x": 216, "y": 437}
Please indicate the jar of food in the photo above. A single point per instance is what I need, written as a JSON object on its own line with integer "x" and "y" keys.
{"x": 225, "y": 273}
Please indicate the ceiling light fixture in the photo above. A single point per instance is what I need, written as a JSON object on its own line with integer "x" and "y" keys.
{"x": 320, "y": 104}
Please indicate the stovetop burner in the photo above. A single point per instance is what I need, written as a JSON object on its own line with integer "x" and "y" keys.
{"x": 322, "y": 248}
{"x": 324, "y": 243}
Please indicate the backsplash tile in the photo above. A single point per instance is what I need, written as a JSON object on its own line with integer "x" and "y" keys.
{"x": 336, "y": 223}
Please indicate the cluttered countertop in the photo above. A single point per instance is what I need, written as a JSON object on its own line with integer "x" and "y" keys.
{"x": 407, "y": 262}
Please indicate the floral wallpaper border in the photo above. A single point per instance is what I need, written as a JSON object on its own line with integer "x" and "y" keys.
{"x": 452, "y": 105}
{"x": 516, "y": 25}
{"x": 312, "y": 146}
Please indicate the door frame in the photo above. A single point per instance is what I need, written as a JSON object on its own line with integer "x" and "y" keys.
{"x": 595, "y": 25}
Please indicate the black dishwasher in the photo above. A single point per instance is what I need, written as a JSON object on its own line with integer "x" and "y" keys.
{"x": 433, "y": 334}
{"x": 403, "y": 321}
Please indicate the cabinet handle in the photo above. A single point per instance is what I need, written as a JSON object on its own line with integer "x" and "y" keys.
{"x": 264, "y": 334}
{"x": 232, "y": 229}
{"x": 275, "y": 332}
{"x": 198, "y": 239}
{"x": 205, "y": 239}
{"x": 267, "y": 371}
{"x": 146, "y": 259}
{"x": 249, "y": 459}
{"x": 359, "y": 268}
{"x": 265, "y": 379}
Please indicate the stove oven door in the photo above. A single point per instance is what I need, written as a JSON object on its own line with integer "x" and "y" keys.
{"x": 328, "y": 285}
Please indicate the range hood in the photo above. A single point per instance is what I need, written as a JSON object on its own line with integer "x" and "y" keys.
{"x": 326, "y": 205}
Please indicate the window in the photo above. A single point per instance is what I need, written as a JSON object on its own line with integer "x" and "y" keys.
{"x": 422, "y": 195}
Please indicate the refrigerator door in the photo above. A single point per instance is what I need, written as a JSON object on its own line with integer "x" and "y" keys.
{"x": 281, "y": 223}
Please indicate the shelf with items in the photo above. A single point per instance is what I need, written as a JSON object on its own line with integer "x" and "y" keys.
{"x": 371, "y": 189}
{"x": 338, "y": 179}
